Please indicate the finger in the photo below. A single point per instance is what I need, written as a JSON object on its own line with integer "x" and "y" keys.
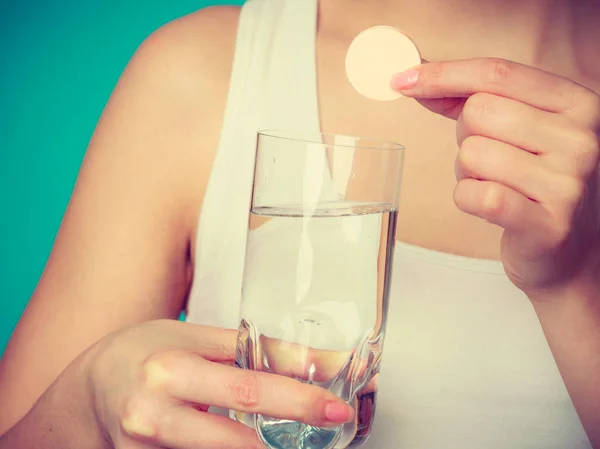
{"x": 193, "y": 379}
{"x": 501, "y": 205}
{"x": 276, "y": 396}
{"x": 181, "y": 427}
{"x": 511, "y": 122}
{"x": 463, "y": 78}
{"x": 450, "y": 107}
{"x": 486, "y": 159}
{"x": 566, "y": 147}
{"x": 447, "y": 107}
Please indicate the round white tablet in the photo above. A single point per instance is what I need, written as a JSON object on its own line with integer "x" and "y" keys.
{"x": 375, "y": 56}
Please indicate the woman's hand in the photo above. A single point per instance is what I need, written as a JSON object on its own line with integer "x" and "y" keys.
{"x": 153, "y": 384}
{"x": 528, "y": 162}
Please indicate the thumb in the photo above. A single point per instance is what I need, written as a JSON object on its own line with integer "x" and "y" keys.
{"x": 448, "y": 107}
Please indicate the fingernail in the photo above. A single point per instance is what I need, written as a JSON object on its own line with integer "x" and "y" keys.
{"x": 338, "y": 412}
{"x": 404, "y": 80}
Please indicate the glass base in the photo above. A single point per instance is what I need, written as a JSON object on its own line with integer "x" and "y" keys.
{"x": 284, "y": 434}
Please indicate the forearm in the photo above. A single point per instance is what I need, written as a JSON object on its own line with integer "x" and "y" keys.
{"x": 571, "y": 322}
{"x": 63, "y": 418}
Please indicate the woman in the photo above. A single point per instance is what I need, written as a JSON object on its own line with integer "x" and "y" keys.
{"x": 471, "y": 358}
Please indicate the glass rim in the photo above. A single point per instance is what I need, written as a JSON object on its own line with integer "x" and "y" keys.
{"x": 305, "y": 137}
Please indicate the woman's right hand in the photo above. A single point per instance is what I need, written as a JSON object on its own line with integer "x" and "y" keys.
{"x": 152, "y": 386}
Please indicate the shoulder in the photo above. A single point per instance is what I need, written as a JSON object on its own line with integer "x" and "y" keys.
{"x": 201, "y": 35}
{"x": 183, "y": 68}
{"x": 179, "y": 78}
{"x": 193, "y": 50}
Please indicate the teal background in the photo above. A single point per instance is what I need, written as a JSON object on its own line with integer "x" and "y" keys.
{"x": 59, "y": 61}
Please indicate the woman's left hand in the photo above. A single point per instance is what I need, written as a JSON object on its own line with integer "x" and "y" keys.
{"x": 528, "y": 162}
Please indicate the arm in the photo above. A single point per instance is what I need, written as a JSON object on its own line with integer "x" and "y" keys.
{"x": 62, "y": 418}
{"x": 570, "y": 318}
{"x": 122, "y": 255}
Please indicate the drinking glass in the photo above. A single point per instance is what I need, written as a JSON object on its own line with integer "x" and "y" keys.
{"x": 321, "y": 232}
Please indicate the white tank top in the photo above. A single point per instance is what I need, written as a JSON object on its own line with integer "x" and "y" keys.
{"x": 465, "y": 364}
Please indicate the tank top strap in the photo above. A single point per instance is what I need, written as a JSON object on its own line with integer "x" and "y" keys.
{"x": 273, "y": 86}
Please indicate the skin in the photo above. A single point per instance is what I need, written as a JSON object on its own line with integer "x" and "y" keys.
{"x": 504, "y": 142}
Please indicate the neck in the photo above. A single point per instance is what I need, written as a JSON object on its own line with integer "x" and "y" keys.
{"x": 561, "y": 36}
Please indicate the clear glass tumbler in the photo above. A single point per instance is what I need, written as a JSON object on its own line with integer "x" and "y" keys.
{"x": 320, "y": 242}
